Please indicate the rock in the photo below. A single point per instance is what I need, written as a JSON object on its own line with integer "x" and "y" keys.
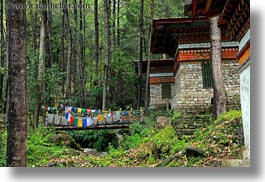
{"x": 236, "y": 163}
{"x": 193, "y": 152}
{"x": 103, "y": 154}
{"x": 162, "y": 122}
{"x": 91, "y": 151}
{"x": 64, "y": 139}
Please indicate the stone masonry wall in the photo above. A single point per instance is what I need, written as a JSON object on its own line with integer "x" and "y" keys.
{"x": 156, "y": 95}
{"x": 190, "y": 96}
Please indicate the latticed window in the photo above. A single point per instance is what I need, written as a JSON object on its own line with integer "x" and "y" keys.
{"x": 207, "y": 75}
{"x": 166, "y": 90}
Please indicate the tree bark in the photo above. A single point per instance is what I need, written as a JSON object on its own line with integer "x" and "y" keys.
{"x": 219, "y": 92}
{"x": 76, "y": 80}
{"x": 107, "y": 52}
{"x": 146, "y": 98}
{"x": 96, "y": 39}
{"x": 42, "y": 63}
{"x": 140, "y": 52}
{"x": 17, "y": 88}
{"x": 49, "y": 29}
{"x": 118, "y": 24}
{"x": 69, "y": 50}
{"x": 114, "y": 24}
{"x": 82, "y": 62}
{"x": 63, "y": 56}
{"x": 2, "y": 57}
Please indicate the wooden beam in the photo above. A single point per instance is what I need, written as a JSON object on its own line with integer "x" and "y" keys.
{"x": 194, "y": 6}
{"x": 208, "y": 5}
{"x": 94, "y": 127}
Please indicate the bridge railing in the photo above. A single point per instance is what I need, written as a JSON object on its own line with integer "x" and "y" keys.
{"x": 80, "y": 117}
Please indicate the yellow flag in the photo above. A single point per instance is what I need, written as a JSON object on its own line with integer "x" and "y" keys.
{"x": 79, "y": 122}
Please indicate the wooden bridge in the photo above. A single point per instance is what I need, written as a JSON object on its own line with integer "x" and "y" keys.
{"x": 96, "y": 127}
{"x": 85, "y": 119}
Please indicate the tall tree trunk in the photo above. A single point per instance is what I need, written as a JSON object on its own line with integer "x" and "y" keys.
{"x": 146, "y": 98}
{"x": 76, "y": 54}
{"x": 17, "y": 88}
{"x": 82, "y": 63}
{"x": 49, "y": 29}
{"x": 107, "y": 52}
{"x": 219, "y": 95}
{"x": 62, "y": 56}
{"x": 114, "y": 24}
{"x": 42, "y": 62}
{"x": 118, "y": 24}
{"x": 140, "y": 52}
{"x": 69, "y": 50}
{"x": 96, "y": 39}
{"x": 2, "y": 57}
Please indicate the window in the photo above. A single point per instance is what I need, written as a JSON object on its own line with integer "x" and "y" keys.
{"x": 166, "y": 90}
{"x": 207, "y": 74}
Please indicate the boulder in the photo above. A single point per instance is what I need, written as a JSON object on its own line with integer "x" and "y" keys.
{"x": 91, "y": 151}
{"x": 193, "y": 152}
{"x": 162, "y": 122}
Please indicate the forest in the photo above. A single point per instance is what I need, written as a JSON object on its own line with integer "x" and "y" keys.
{"x": 83, "y": 53}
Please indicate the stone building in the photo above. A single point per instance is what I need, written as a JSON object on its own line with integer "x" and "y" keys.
{"x": 161, "y": 82}
{"x": 186, "y": 42}
{"x": 235, "y": 21}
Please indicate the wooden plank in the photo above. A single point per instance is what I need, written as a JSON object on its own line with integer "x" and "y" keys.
{"x": 94, "y": 127}
{"x": 208, "y": 5}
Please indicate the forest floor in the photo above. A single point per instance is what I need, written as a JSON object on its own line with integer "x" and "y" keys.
{"x": 141, "y": 146}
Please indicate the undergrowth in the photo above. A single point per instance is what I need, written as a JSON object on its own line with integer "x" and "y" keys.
{"x": 142, "y": 146}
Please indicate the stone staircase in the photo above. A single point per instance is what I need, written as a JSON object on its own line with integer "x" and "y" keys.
{"x": 186, "y": 125}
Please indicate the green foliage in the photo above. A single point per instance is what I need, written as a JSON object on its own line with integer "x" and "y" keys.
{"x": 175, "y": 116}
{"x": 232, "y": 114}
{"x": 100, "y": 140}
{"x": 39, "y": 148}
{"x": 3, "y": 140}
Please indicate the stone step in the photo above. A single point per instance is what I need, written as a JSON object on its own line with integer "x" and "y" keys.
{"x": 236, "y": 163}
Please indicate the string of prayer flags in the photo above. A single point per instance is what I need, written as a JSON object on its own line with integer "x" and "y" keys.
{"x": 89, "y": 121}
{"x": 79, "y": 122}
{"x": 72, "y": 120}
{"x": 74, "y": 109}
{"x": 84, "y": 122}
{"x": 75, "y": 121}
{"x": 100, "y": 118}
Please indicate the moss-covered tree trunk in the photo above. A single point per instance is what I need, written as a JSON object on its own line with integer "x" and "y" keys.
{"x": 219, "y": 93}
{"x": 107, "y": 52}
{"x": 17, "y": 90}
{"x": 42, "y": 63}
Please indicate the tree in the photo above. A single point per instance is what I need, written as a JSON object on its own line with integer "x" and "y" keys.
{"x": 42, "y": 63}
{"x": 96, "y": 37}
{"x": 17, "y": 89}
{"x": 2, "y": 52}
{"x": 140, "y": 52}
{"x": 69, "y": 50}
{"x": 107, "y": 52}
{"x": 149, "y": 58}
{"x": 219, "y": 93}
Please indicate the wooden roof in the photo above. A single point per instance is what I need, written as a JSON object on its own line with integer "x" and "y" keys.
{"x": 168, "y": 33}
{"x": 235, "y": 18}
{"x": 209, "y": 8}
{"x": 156, "y": 63}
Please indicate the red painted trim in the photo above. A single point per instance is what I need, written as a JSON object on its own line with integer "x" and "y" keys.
{"x": 243, "y": 50}
{"x": 194, "y": 6}
{"x": 157, "y": 80}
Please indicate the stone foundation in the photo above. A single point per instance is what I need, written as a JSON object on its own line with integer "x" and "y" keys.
{"x": 190, "y": 96}
{"x": 156, "y": 96}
